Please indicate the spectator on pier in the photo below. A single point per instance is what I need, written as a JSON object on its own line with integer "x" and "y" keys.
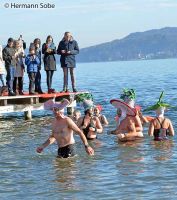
{"x": 37, "y": 44}
{"x": 22, "y": 42}
{"x": 32, "y": 61}
{"x": 49, "y": 51}
{"x": 68, "y": 48}
{"x": 20, "y": 68}
{"x": 10, "y": 64}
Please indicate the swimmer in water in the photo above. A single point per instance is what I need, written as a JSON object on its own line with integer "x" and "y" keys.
{"x": 62, "y": 131}
{"x": 102, "y": 118}
{"x": 130, "y": 128}
{"x": 89, "y": 123}
{"x": 160, "y": 127}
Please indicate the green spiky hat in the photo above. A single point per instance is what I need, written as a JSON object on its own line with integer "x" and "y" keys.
{"x": 128, "y": 94}
{"x": 159, "y": 104}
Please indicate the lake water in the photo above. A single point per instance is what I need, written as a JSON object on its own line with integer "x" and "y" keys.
{"x": 139, "y": 170}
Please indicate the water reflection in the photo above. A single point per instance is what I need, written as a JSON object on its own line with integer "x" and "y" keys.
{"x": 163, "y": 149}
{"x": 66, "y": 173}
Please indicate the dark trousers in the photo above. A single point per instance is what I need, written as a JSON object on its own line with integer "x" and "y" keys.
{"x": 10, "y": 77}
{"x": 49, "y": 78}
{"x": 38, "y": 82}
{"x": 65, "y": 77}
{"x": 18, "y": 84}
{"x": 32, "y": 76}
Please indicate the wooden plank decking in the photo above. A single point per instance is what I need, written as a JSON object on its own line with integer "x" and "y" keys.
{"x": 23, "y": 103}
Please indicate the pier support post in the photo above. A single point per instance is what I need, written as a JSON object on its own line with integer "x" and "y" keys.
{"x": 28, "y": 115}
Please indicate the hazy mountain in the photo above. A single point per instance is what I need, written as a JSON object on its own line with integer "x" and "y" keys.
{"x": 152, "y": 44}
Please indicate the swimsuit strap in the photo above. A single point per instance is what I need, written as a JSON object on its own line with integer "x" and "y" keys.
{"x": 161, "y": 124}
{"x": 83, "y": 121}
{"x": 102, "y": 118}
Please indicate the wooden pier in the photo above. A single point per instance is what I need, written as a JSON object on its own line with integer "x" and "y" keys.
{"x": 27, "y": 103}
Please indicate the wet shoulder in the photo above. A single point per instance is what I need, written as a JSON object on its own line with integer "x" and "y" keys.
{"x": 167, "y": 121}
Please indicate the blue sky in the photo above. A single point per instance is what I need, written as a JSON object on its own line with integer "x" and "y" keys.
{"x": 90, "y": 21}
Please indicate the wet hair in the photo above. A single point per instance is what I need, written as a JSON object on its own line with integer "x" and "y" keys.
{"x": 49, "y": 36}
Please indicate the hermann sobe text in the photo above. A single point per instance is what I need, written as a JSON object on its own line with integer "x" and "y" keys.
{"x": 38, "y": 5}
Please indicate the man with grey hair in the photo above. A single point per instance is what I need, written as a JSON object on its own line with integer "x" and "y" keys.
{"x": 63, "y": 128}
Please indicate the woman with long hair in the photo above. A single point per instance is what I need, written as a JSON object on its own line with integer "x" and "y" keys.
{"x": 49, "y": 51}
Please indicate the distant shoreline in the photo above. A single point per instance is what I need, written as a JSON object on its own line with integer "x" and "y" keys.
{"x": 127, "y": 60}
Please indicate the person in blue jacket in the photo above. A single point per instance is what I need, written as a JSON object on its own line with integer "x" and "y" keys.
{"x": 68, "y": 48}
{"x": 32, "y": 61}
{"x": 37, "y": 45}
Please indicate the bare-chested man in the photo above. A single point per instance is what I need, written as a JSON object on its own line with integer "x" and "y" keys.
{"x": 90, "y": 124}
{"x": 130, "y": 127}
{"x": 62, "y": 132}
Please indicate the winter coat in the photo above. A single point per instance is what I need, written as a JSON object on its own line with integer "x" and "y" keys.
{"x": 49, "y": 58}
{"x": 7, "y": 53}
{"x": 68, "y": 60}
{"x": 32, "y": 63}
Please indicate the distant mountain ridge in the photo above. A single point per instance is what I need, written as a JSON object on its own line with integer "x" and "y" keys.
{"x": 152, "y": 44}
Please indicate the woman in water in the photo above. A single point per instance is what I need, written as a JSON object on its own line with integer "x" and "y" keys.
{"x": 89, "y": 124}
{"x": 102, "y": 118}
{"x": 160, "y": 127}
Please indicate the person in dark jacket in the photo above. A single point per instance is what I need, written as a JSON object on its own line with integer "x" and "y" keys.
{"x": 36, "y": 44}
{"x": 10, "y": 64}
{"x": 32, "y": 62}
{"x": 68, "y": 48}
{"x": 49, "y": 51}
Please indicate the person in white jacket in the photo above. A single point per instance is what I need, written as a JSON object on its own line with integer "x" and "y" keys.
{"x": 19, "y": 72}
